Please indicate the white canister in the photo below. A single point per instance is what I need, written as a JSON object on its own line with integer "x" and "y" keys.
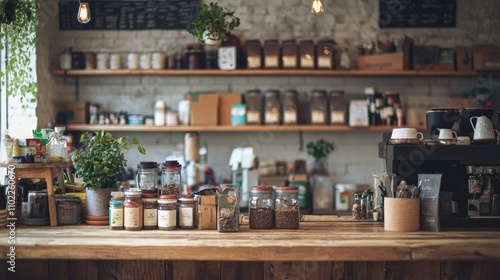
{"x": 133, "y": 61}
{"x": 160, "y": 112}
{"x": 102, "y": 61}
{"x": 145, "y": 61}
{"x": 172, "y": 118}
{"x": 158, "y": 61}
{"x": 115, "y": 61}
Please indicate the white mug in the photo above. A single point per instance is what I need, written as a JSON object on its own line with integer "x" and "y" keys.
{"x": 447, "y": 134}
{"x": 406, "y": 133}
{"x": 483, "y": 130}
{"x": 158, "y": 61}
{"x": 145, "y": 61}
{"x": 115, "y": 61}
{"x": 133, "y": 61}
{"x": 102, "y": 61}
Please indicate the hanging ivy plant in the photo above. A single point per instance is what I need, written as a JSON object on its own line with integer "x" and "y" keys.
{"x": 18, "y": 23}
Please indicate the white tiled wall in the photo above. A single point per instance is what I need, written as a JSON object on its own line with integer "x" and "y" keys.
{"x": 348, "y": 22}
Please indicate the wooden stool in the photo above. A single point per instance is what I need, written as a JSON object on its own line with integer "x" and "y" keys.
{"x": 46, "y": 171}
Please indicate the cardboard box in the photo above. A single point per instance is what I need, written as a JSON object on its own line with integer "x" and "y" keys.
{"x": 389, "y": 61}
{"x": 76, "y": 112}
{"x": 463, "y": 59}
{"x": 203, "y": 108}
{"x": 487, "y": 61}
{"x": 433, "y": 58}
{"x": 226, "y": 102}
{"x": 207, "y": 212}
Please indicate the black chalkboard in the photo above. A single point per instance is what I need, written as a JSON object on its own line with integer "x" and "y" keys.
{"x": 129, "y": 15}
{"x": 417, "y": 13}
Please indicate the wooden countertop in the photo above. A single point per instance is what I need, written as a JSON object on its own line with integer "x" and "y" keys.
{"x": 344, "y": 240}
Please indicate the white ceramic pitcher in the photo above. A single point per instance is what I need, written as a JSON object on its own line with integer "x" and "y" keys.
{"x": 483, "y": 130}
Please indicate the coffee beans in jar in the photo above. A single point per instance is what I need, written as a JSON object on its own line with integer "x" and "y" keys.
{"x": 359, "y": 207}
{"x": 68, "y": 210}
{"x": 261, "y": 207}
{"x": 286, "y": 208}
{"x": 171, "y": 179}
{"x": 150, "y": 216}
{"x": 133, "y": 209}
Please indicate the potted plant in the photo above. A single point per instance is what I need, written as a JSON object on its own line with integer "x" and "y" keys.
{"x": 18, "y": 22}
{"x": 319, "y": 151}
{"x": 99, "y": 163}
{"x": 213, "y": 23}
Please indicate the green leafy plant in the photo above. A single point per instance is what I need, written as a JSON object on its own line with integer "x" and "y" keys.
{"x": 213, "y": 22}
{"x": 18, "y": 23}
{"x": 101, "y": 159}
{"x": 320, "y": 149}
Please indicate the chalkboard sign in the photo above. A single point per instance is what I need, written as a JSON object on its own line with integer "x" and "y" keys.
{"x": 417, "y": 13}
{"x": 129, "y": 15}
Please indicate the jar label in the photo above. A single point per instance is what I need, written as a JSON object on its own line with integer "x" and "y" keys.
{"x": 289, "y": 61}
{"x": 324, "y": 61}
{"x": 272, "y": 117}
{"x": 337, "y": 117}
{"x": 186, "y": 217}
{"x": 307, "y": 61}
{"x": 167, "y": 218}
{"x": 132, "y": 217}
{"x": 150, "y": 217}
{"x": 116, "y": 217}
{"x": 253, "y": 117}
{"x": 318, "y": 116}
{"x": 271, "y": 61}
{"x": 290, "y": 116}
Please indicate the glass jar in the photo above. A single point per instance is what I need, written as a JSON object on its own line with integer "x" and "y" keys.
{"x": 358, "y": 207}
{"x": 147, "y": 177}
{"x": 171, "y": 179}
{"x": 228, "y": 209}
{"x": 38, "y": 206}
{"x": 319, "y": 106}
{"x": 287, "y": 207}
{"x": 65, "y": 59}
{"x": 338, "y": 106}
{"x": 116, "y": 214}
{"x": 167, "y": 212}
{"x": 391, "y": 104}
{"x": 133, "y": 209}
{"x": 272, "y": 107}
{"x": 290, "y": 107}
{"x": 69, "y": 210}
{"x": 253, "y": 101}
{"x": 187, "y": 212}
{"x": 118, "y": 195}
{"x": 261, "y": 207}
{"x": 375, "y": 102}
{"x": 150, "y": 214}
{"x": 191, "y": 146}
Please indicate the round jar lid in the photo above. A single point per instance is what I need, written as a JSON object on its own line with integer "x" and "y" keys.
{"x": 171, "y": 164}
{"x": 133, "y": 192}
{"x": 261, "y": 189}
{"x": 37, "y": 193}
{"x": 289, "y": 189}
{"x": 154, "y": 199}
{"x": 149, "y": 195}
{"x": 68, "y": 198}
{"x": 147, "y": 165}
{"x": 115, "y": 203}
{"x": 187, "y": 197}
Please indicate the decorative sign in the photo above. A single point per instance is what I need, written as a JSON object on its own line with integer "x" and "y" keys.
{"x": 129, "y": 15}
{"x": 417, "y": 13}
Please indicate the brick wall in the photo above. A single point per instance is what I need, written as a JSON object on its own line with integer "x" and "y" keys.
{"x": 348, "y": 22}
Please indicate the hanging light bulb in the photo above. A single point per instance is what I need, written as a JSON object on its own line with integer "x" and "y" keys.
{"x": 83, "y": 13}
{"x": 317, "y": 8}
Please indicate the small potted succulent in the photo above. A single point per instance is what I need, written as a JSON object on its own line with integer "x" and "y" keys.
{"x": 100, "y": 162}
{"x": 212, "y": 24}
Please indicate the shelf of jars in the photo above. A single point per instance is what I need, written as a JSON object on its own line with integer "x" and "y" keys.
{"x": 228, "y": 128}
{"x": 263, "y": 72}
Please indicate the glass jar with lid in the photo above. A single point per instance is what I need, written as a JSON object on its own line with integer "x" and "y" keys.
{"x": 167, "y": 212}
{"x": 150, "y": 212}
{"x": 319, "y": 107}
{"x": 147, "y": 177}
{"x": 338, "y": 106}
{"x": 116, "y": 214}
{"x": 171, "y": 178}
{"x": 133, "y": 209}
{"x": 187, "y": 213}
{"x": 228, "y": 208}
{"x": 272, "y": 107}
{"x": 261, "y": 207}
{"x": 290, "y": 107}
{"x": 358, "y": 207}
{"x": 69, "y": 210}
{"x": 287, "y": 207}
{"x": 253, "y": 101}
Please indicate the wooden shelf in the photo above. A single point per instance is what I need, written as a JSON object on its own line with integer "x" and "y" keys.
{"x": 263, "y": 72}
{"x": 227, "y": 128}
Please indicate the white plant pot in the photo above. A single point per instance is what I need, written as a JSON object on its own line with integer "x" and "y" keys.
{"x": 208, "y": 41}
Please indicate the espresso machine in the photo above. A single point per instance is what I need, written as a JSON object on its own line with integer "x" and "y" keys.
{"x": 470, "y": 182}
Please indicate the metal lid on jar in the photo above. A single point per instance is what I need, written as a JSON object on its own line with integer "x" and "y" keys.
{"x": 37, "y": 193}
{"x": 187, "y": 198}
{"x": 286, "y": 189}
{"x": 147, "y": 165}
{"x": 171, "y": 164}
{"x": 261, "y": 189}
{"x": 68, "y": 198}
{"x": 149, "y": 195}
{"x": 167, "y": 199}
{"x": 117, "y": 195}
{"x": 133, "y": 192}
